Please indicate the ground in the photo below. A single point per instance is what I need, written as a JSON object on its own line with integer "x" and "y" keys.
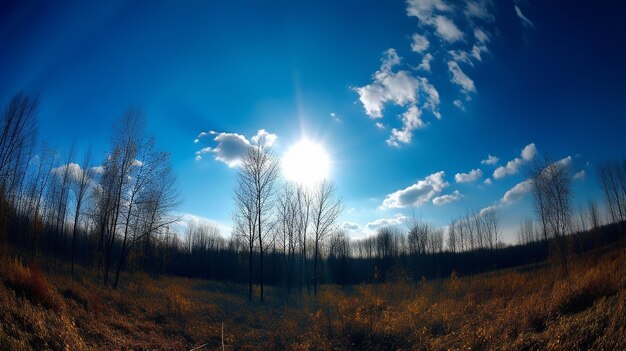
{"x": 523, "y": 309}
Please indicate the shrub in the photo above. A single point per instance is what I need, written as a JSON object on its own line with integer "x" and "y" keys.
{"x": 32, "y": 284}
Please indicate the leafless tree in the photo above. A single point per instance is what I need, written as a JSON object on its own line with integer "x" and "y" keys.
{"x": 612, "y": 177}
{"x": 326, "y": 207}
{"x": 552, "y": 192}
{"x": 256, "y": 180}
{"x": 18, "y": 129}
{"x": 81, "y": 183}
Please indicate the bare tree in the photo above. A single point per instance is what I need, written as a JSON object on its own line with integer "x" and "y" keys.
{"x": 81, "y": 184}
{"x": 326, "y": 208}
{"x": 149, "y": 200}
{"x": 552, "y": 192}
{"x": 17, "y": 131}
{"x": 257, "y": 176}
{"x": 612, "y": 177}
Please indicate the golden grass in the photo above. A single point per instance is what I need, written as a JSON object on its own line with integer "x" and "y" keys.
{"x": 538, "y": 309}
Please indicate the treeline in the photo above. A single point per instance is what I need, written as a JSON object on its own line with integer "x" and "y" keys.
{"x": 94, "y": 213}
{"x": 116, "y": 213}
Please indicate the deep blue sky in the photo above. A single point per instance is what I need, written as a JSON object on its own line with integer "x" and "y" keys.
{"x": 552, "y": 75}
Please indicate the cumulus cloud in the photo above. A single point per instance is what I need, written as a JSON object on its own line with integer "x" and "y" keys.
{"x": 425, "y": 65}
{"x": 487, "y": 181}
{"x": 517, "y": 192}
{"x": 419, "y": 43}
{"x": 411, "y": 120}
{"x": 448, "y": 198}
{"x": 525, "y": 21}
{"x": 380, "y": 125}
{"x": 512, "y": 167}
{"x": 75, "y": 172}
{"x": 267, "y": 139}
{"x": 384, "y": 222}
{"x": 403, "y": 89}
{"x": 490, "y": 160}
{"x": 529, "y": 152}
{"x": 230, "y": 149}
{"x": 417, "y": 194}
{"x": 469, "y": 177}
{"x": 399, "y": 87}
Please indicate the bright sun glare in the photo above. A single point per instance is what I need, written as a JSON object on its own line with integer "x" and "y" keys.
{"x": 306, "y": 163}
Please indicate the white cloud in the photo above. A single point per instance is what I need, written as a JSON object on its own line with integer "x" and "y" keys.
{"x": 525, "y": 21}
{"x": 447, "y": 30}
{"x": 231, "y": 147}
{"x": 380, "y": 125}
{"x": 529, "y": 152}
{"x": 478, "y": 9}
{"x": 351, "y": 226}
{"x": 411, "y": 120}
{"x": 384, "y": 222}
{"x": 580, "y": 174}
{"x": 268, "y": 139}
{"x": 491, "y": 160}
{"x": 335, "y": 117}
{"x": 512, "y": 167}
{"x": 517, "y": 192}
{"x": 472, "y": 176}
{"x": 75, "y": 172}
{"x": 487, "y": 181}
{"x": 446, "y": 199}
{"x": 419, "y": 43}
{"x": 425, "y": 65}
{"x": 460, "y": 78}
{"x": 417, "y": 194}
{"x": 458, "y": 103}
{"x": 398, "y": 87}
{"x": 424, "y": 9}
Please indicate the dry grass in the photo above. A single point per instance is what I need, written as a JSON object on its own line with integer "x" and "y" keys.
{"x": 502, "y": 310}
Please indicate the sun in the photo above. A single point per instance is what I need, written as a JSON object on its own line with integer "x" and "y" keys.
{"x": 306, "y": 163}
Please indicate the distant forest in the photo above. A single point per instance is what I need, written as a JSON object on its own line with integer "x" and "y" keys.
{"x": 117, "y": 213}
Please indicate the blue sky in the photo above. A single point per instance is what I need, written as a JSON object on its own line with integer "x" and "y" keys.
{"x": 458, "y": 81}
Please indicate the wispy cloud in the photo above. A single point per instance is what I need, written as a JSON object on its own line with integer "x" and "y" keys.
{"x": 525, "y": 21}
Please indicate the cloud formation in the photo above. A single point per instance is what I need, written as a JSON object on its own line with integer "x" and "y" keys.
{"x": 417, "y": 194}
{"x": 469, "y": 177}
{"x": 517, "y": 192}
{"x": 490, "y": 160}
{"x": 231, "y": 147}
{"x": 448, "y": 198}
{"x": 512, "y": 167}
{"x": 411, "y": 120}
{"x": 398, "y": 219}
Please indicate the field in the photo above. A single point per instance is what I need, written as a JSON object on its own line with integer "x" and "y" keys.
{"x": 522, "y": 309}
